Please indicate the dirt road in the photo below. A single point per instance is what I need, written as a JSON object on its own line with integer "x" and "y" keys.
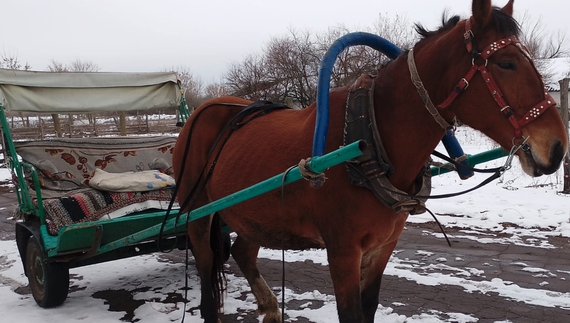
{"x": 424, "y": 276}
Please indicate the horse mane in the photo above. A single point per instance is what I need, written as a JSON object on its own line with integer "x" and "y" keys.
{"x": 504, "y": 23}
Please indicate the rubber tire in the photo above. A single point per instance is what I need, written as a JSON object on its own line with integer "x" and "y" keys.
{"x": 49, "y": 281}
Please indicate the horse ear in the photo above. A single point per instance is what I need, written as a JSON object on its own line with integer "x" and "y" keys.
{"x": 482, "y": 10}
{"x": 508, "y": 8}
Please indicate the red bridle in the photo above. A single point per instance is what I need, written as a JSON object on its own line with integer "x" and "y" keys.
{"x": 463, "y": 84}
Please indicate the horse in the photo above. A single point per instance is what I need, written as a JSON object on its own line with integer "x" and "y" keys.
{"x": 476, "y": 67}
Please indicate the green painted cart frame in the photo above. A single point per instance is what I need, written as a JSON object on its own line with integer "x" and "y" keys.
{"x": 47, "y": 258}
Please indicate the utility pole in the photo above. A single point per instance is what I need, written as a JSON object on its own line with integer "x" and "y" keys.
{"x": 564, "y": 84}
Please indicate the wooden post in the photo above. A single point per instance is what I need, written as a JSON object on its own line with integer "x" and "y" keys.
{"x": 70, "y": 119}
{"x": 123, "y": 123}
{"x": 56, "y": 125}
{"x": 94, "y": 118}
{"x": 147, "y": 124}
{"x": 564, "y": 112}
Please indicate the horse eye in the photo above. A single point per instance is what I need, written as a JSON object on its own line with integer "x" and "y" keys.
{"x": 508, "y": 66}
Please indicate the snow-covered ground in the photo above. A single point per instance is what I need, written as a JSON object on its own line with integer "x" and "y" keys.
{"x": 517, "y": 209}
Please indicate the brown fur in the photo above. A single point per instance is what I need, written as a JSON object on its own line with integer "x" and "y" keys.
{"x": 358, "y": 232}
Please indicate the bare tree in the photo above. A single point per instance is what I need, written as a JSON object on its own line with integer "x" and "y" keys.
{"x": 11, "y": 62}
{"x": 287, "y": 70}
{"x": 248, "y": 79}
{"x": 193, "y": 86}
{"x": 83, "y": 66}
{"x": 543, "y": 46}
{"x": 56, "y": 66}
{"x": 292, "y": 64}
{"x": 75, "y": 66}
{"x": 214, "y": 90}
{"x": 397, "y": 30}
{"x": 353, "y": 61}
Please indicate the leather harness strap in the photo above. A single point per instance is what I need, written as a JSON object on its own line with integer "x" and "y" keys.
{"x": 371, "y": 170}
{"x": 415, "y": 77}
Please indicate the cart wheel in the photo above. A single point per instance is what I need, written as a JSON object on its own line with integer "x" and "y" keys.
{"x": 49, "y": 281}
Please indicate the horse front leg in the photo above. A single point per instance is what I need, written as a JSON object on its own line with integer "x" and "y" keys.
{"x": 245, "y": 255}
{"x": 345, "y": 273}
{"x": 199, "y": 234}
{"x": 373, "y": 266}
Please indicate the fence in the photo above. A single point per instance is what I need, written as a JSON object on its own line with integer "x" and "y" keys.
{"x": 564, "y": 84}
{"x": 27, "y": 126}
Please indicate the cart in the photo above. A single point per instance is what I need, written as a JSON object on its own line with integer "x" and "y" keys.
{"x": 64, "y": 222}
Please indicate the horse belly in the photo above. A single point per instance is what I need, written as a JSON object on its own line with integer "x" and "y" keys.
{"x": 256, "y": 152}
{"x": 269, "y": 220}
{"x": 270, "y": 236}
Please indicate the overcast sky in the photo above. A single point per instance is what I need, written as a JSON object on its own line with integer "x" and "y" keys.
{"x": 203, "y": 36}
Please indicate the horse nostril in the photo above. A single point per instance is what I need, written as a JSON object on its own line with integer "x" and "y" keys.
{"x": 557, "y": 153}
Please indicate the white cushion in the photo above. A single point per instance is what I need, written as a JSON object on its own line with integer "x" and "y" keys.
{"x": 142, "y": 181}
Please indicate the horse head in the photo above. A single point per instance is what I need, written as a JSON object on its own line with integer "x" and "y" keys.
{"x": 495, "y": 85}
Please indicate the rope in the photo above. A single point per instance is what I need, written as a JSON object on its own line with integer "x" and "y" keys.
{"x": 283, "y": 242}
{"x": 440, "y": 226}
{"x": 316, "y": 180}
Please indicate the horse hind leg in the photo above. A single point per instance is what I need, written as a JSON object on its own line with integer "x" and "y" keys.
{"x": 199, "y": 234}
{"x": 245, "y": 255}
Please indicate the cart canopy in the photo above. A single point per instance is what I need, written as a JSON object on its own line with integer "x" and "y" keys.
{"x": 80, "y": 92}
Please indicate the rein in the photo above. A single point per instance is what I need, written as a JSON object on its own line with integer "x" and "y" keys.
{"x": 496, "y": 173}
{"x": 463, "y": 84}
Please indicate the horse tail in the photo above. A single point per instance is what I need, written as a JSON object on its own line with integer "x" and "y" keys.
{"x": 220, "y": 243}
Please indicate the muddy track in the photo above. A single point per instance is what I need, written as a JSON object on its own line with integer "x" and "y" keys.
{"x": 470, "y": 266}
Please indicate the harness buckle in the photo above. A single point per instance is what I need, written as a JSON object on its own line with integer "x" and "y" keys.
{"x": 505, "y": 108}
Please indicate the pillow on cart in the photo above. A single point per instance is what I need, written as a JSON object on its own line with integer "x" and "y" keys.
{"x": 142, "y": 181}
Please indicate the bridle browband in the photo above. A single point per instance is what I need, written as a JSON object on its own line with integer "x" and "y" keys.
{"x": 463, "y": 84}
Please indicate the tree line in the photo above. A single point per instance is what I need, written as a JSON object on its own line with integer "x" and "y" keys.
{"x": 286, "y": 68}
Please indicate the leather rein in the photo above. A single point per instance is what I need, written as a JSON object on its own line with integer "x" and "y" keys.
{"x": 492, "y": 86}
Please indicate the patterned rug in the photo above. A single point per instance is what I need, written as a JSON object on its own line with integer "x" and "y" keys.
{"x": 91, "y": 205}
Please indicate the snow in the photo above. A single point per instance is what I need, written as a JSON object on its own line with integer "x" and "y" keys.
{"x": 515, "y": 209}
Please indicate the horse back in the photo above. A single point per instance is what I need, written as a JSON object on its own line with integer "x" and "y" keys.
{"x": 192, "y": 153}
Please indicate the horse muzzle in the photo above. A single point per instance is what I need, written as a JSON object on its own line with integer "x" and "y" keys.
{"x": 536, "y": 165}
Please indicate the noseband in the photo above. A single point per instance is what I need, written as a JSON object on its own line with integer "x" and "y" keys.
{"x": 463, "y": 84}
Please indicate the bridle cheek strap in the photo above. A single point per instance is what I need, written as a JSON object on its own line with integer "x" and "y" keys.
{"x": 506, "y": 110}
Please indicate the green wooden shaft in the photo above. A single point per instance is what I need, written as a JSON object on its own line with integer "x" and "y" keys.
{"x": 473, "y": 160}
{"x": 317, "y": 164}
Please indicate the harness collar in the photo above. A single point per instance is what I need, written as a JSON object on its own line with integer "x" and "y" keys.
{"x": 371, "y": 169}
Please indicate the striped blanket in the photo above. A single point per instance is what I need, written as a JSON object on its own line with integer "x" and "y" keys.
{"x": 91, "y": 205}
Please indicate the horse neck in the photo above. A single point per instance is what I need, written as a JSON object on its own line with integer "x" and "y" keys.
{"x": 408, "y": 131}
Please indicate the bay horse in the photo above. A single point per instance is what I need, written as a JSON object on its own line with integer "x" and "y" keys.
{"x": 499, "y": 93}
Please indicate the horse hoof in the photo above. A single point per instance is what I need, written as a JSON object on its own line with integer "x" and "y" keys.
{"x": 272, "y": 318}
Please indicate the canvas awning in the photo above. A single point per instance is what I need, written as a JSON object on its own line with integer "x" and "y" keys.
{"x": 80, "y": 92}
